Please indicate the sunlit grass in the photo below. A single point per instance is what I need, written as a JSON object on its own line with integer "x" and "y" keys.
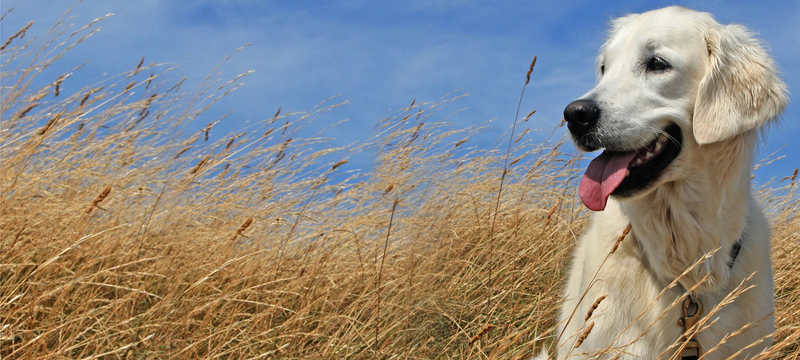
{"x": 124, "y": 234}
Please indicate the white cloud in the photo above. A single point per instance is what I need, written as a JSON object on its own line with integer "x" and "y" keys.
{"x": 382, "y": 55}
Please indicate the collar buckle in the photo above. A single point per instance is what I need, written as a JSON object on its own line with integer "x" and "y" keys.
{"x": 691, "y": 312}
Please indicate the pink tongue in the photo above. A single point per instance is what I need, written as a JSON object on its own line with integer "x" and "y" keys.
{"x": 602, "y": 176}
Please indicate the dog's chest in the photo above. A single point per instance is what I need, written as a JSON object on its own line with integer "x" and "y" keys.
{"x": 637, "y": 314}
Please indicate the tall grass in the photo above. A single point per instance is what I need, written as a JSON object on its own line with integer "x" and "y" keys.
{"x": 123, "y": 234}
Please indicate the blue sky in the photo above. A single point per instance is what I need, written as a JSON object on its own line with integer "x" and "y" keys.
{"x": 381, "y": 55}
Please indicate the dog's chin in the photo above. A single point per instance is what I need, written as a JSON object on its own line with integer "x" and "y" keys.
{"x": 587, "y": 143}
{"x": 650, "y": 163}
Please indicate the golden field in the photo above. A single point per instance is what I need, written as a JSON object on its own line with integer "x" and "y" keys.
{"x": 124, "y": 235}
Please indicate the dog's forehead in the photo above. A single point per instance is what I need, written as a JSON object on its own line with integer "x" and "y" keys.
{"x": 671, "y": 27}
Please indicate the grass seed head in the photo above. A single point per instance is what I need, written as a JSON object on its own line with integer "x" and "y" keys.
{"x": 527, "y": 117}
{"x": 485, "y": 329}
{"x": 58, "y": 85}
{"x": 19, "y": 34}
{"x": 530, "y": 70}
{"x": 97, "y": 200}
{"x": 621, "y": 237}
{"x": 584, "y": 334}
{"x": 139, "y": 65}
{"x": 26, "y": 110}
{"x": 200, "y": 164}
{"x": 594, "y": 307}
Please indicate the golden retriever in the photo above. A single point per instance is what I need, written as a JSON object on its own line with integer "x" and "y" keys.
{"x": 678, "y": 106}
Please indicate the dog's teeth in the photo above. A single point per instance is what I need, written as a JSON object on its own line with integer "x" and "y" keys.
{"x": 662, "y": 138}
{"x": 657, "y": 148}
{"x": 648, "y": 156}
{"x": 627, "y": 172}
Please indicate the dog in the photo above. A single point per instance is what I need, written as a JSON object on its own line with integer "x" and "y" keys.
{"x": 679, "y": 107}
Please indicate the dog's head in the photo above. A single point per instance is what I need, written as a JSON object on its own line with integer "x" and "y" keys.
{"x": 669, "y": 80}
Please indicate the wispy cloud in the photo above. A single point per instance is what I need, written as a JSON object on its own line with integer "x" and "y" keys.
{"x": 380, "y": 56}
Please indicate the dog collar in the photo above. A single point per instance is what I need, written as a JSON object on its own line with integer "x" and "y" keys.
{"x": 735, "y": 252}
{"x": 692, "y": 311}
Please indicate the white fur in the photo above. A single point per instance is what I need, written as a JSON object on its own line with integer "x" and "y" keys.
{"x": 721, "y": 89}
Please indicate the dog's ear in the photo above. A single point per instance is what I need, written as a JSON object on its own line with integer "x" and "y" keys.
{"x": 740, "y": 90}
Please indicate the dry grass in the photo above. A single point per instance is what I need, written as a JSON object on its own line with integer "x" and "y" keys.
{"x": 124, "y": 236}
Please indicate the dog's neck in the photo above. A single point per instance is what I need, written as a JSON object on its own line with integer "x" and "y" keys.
{"x": 681, "y": 221}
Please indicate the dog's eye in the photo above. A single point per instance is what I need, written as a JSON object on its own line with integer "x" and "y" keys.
{"x": 657, "y": 64}
{"x": 602, "y": 69}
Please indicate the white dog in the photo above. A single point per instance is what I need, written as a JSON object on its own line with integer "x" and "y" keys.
{"x": 678, "y": 108}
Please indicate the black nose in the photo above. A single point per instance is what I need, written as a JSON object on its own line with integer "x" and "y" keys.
{"x": 581, "y": 116}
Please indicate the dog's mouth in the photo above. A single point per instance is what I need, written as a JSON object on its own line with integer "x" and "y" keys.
{"x": 624, "y": 173}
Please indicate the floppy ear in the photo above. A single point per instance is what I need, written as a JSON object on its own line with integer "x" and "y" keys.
{"x": 740, "y": 90}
